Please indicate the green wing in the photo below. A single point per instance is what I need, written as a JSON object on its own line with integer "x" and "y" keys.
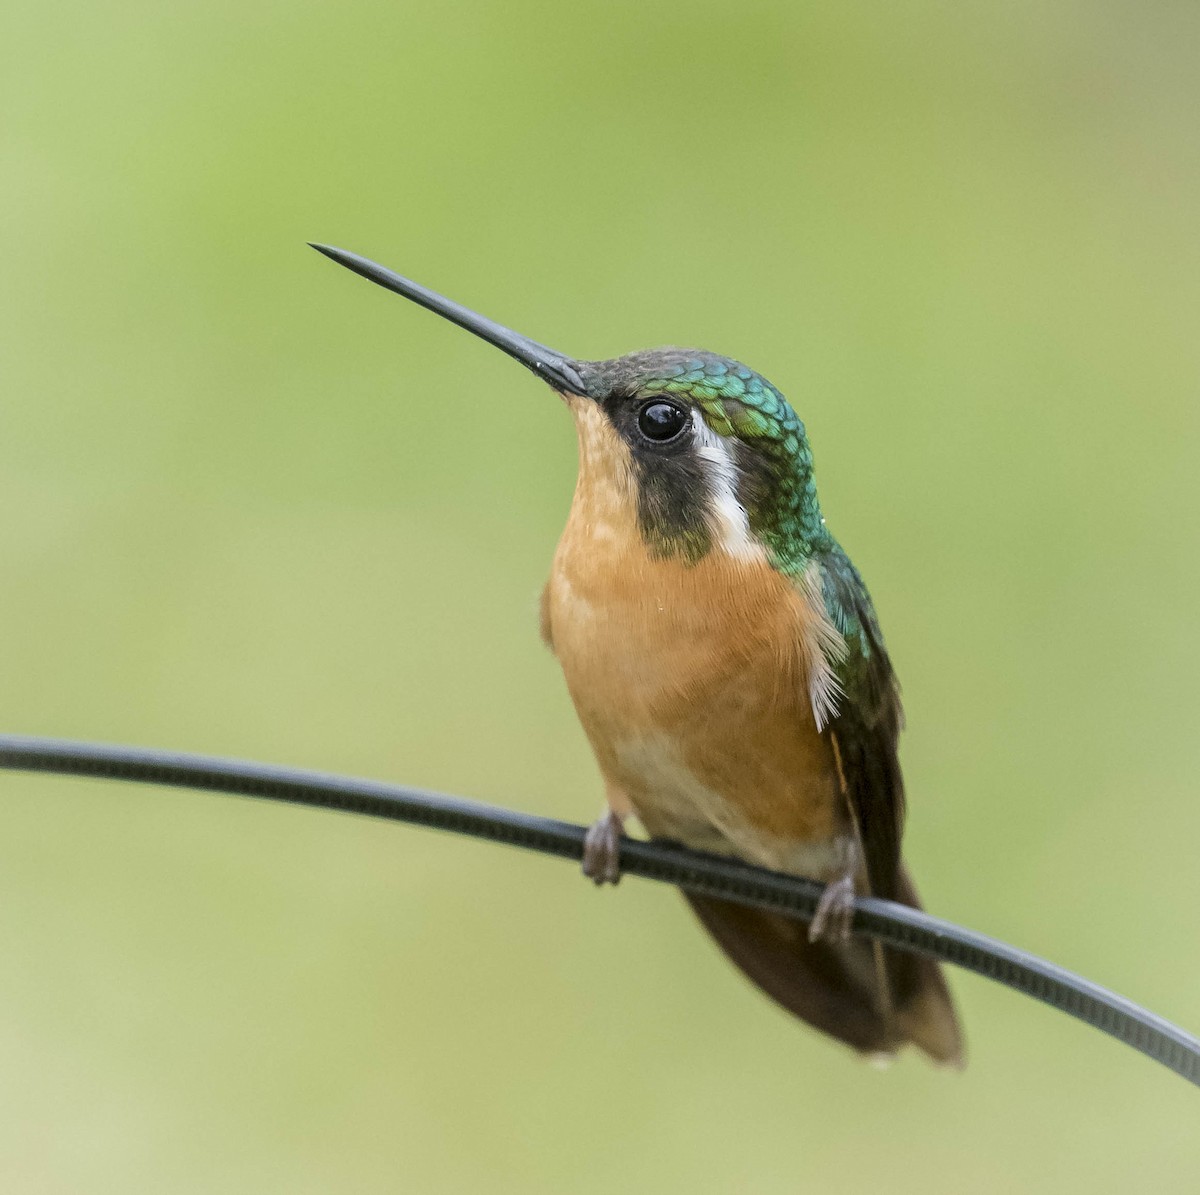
{"x": 868, "y": 720}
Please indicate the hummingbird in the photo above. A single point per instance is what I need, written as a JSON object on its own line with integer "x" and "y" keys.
{"x": 726, "y": 664}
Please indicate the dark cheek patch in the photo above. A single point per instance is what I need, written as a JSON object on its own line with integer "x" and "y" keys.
{"x": 672, "y": 499}
{"x": 672, "y": 488}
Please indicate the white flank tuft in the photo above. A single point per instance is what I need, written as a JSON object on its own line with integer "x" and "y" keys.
{"x": 823, "y": 648}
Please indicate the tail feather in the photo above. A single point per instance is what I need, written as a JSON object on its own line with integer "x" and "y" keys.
{"x": 841, "y": 989}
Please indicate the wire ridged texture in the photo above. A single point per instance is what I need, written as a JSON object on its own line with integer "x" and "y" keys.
{"x": 893, "y": 924}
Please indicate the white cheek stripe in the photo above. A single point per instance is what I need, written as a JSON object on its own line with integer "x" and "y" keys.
{"x": 730, "y": 524}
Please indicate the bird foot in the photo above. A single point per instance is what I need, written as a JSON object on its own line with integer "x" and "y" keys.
{"x": 602, "y": 850}
{"x": 835, "y": 912}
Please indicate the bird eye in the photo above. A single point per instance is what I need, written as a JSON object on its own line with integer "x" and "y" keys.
{"x": 661, "y": 421}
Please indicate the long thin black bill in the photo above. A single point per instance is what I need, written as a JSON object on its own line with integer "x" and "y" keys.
{"x": 559, "y": 371}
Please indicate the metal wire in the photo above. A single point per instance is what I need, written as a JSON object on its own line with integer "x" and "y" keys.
{"x": 893, "y": 924}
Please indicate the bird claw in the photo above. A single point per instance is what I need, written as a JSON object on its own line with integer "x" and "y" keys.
{"x": 602, "y": 850}
{"x": 835, "y": 912}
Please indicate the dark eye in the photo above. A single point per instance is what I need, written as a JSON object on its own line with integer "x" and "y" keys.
{"x": 661, "y": 421}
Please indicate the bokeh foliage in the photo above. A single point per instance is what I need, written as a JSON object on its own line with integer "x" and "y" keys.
{"x": 254, "y": 506}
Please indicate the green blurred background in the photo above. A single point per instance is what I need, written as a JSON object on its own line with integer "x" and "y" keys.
{"x": 238, "y": 519}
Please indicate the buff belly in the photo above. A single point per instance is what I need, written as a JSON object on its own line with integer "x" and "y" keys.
{"x": 689, "y": 685}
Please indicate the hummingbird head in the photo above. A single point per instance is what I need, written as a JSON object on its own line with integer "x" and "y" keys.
{"x": 706, "y": 450}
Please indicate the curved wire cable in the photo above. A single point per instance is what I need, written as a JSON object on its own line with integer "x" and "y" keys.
{"x": 709, "y": 875}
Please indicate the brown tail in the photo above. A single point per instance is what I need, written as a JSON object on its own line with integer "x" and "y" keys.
{"x": 838, "y": 989}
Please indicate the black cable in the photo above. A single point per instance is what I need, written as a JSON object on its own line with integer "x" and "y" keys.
{"x": 893, "y": 924}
